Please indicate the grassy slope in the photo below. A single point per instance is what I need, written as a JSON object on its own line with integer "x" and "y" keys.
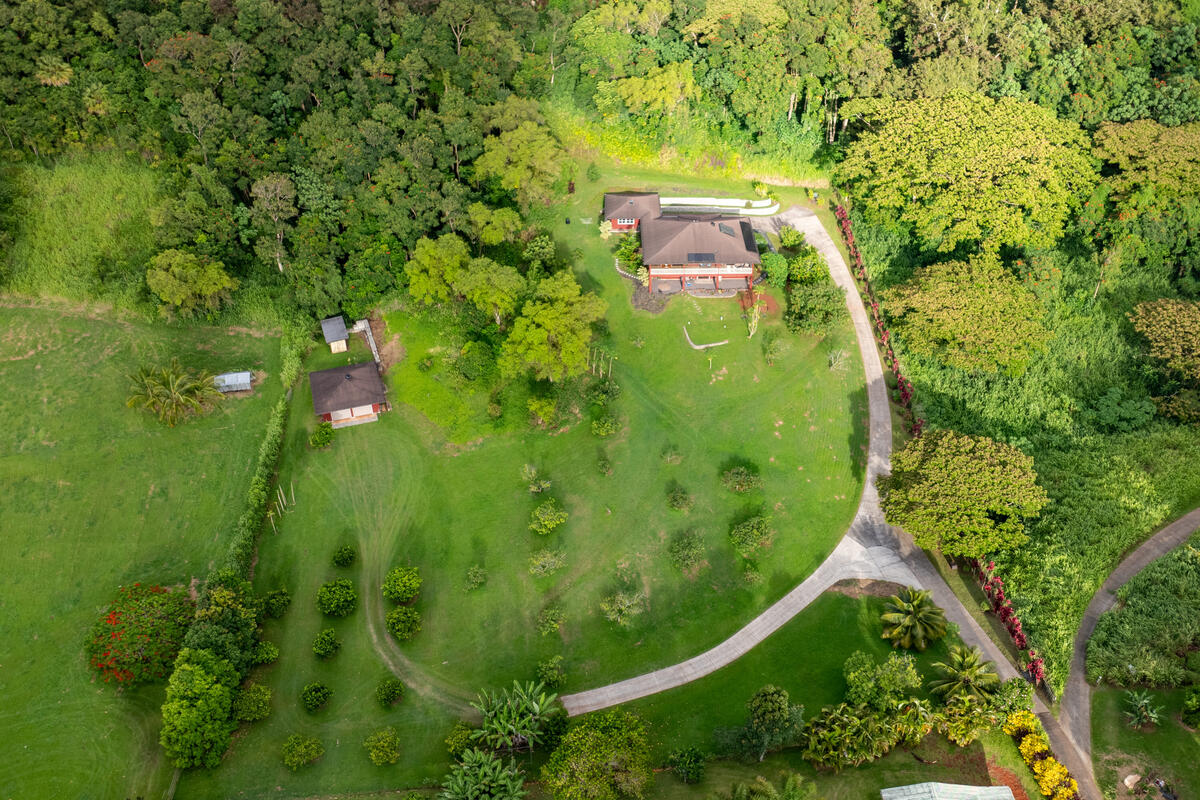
{"x": 1169, "y": 751}
{"x": 96, "y": 495}
{"x": 407, "y": 493}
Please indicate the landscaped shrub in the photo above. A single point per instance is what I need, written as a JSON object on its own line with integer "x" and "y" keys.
{"x": 344, "y": 556}
{"x": 679, "y": 499}
{"x": 315, "y": 695}
{"x": 389, "y": 692}
{"x": 605, "y": 425}
{"x": 459, "y": 739}
{"x": 687, "y": 549}
{"x": 322, "y": 437}
{"x": 276, "y": 602}
{"x": 264, "y": 653}
{"x": 750, "y": 535}
{"x": 551, "y": 672}
{"x": 300, "y": 751}
{"x": 383, "y": 746}
{"x": 252, "y": 703}
{"x": 621, "y": 607}
{"x": 688, "y": 764}
{"x": 326, "y": 644}
{"x": 741, "y": 480}
{"x": 139, "y": 636}
{"x": 337, "y": 598}
{"x": 404, "y": 622}
{"x": 1191, "y": 709}
{"x": 547, "y": 516}
{"x": 547, "y": 562}
{"x": 402, "y": 584}
{"x": 790, "y": 238}
{"x": 550, "y": 620}
{"x": 476, "y": 577}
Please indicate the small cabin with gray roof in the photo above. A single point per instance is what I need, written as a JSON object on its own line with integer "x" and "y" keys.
{"x": 349, "y": 395}
{"x": 336, "y": 335}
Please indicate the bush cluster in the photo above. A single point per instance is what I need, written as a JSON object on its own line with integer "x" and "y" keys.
{"x": 404, "y": 622}
{"x": 402, "y": 584}
{"x": 315, "y": 695}
{"x": 300, "y": 751}
{"x": 389, "y": 692}
{"x": 337, "y": 598}
{"x": 344, "y": 556}
{"x": 326, "y": 645}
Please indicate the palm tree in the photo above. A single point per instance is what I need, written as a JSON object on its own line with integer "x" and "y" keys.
{"x": 966, "y": 675}
{"x": 171, "y": 392}
{"x": 912, "y": 621}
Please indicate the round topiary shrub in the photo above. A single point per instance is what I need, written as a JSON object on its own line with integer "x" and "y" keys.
{"x": 404, "y": 622}
{"x": 264, "y": 653}
{"x": 344, "y": 556}
{"x": 252, "y": 703}
{"x": 276, "y": 602}
{"x": 326, "y": 644}
{"x": 402, "y": 584}
{"x": 389, "y": 692}
{"x": 140, "y": 634}
{"x": 383, "y": 746}
{"x": 337, "y": 598}
{"x": 315, "y": 695}
{"x": 299, "y": 751}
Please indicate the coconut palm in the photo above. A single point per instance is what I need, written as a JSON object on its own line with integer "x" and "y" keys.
{"x": 171, "y": 392}
{"x": 912, "y": 621}
{"x": 966, "y": 674}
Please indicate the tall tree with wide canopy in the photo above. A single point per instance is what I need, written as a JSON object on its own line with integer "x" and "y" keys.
{"x": 968, "y": 169}
{"x": 964, "y": 495}
{"x": 971, "y": 314}
{"x": 551, "y": 336}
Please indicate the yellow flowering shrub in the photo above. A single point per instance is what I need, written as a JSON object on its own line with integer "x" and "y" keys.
{"x": 1032, "y": 747}
{"x": 1050, "y": 775}
{"x": 1020, "y": 723}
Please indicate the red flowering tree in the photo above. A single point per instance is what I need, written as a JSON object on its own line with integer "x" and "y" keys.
{"x": 140, "y": 634}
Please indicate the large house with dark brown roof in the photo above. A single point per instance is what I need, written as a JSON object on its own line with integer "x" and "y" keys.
{"x": 348, "y": 395}
{"x": 686, "y": 251}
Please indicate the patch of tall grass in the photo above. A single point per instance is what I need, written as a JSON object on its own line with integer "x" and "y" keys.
{"x": 84, "y": 229}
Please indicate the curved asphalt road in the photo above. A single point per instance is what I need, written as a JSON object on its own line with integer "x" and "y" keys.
{"x": 870, "y": 549}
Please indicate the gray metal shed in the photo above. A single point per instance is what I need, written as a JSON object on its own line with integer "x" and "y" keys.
{"x": 334, "y": 329}
{"x": 946, "y": 791}
{"x": 233, "y": 381}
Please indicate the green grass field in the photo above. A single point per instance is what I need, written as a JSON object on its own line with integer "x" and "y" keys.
{"x": 1169, "y": 750}
{"x": 84, "y": 229}
{"x": 437, "y": 484}
{"x": 97, "y": 495}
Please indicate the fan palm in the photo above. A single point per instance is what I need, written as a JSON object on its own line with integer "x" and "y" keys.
{"x": 171, "y": 392}
{"x": 966, "y": 674}
{"x": 912, "y": 621}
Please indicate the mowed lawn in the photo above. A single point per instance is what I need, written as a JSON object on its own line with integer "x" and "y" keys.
{"x": 96, "y": 495}
{"x": 446, "y": 497}
{"x": 1168, "y": 750}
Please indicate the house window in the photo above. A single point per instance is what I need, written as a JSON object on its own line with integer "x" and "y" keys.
{"x": 625, "y": 221}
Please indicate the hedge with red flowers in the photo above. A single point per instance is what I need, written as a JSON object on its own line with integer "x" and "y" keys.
{"x": 137, "y": 639}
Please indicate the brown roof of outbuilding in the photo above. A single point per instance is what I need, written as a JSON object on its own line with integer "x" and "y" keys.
{"x": 346, "y": 387}
{"x": 631, "y": 205}
{"x": 698, "y": 239}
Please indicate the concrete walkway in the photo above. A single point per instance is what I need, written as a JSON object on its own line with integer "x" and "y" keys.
{"x": 870, "y": 549}
{"x": 1076, "y": 707}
